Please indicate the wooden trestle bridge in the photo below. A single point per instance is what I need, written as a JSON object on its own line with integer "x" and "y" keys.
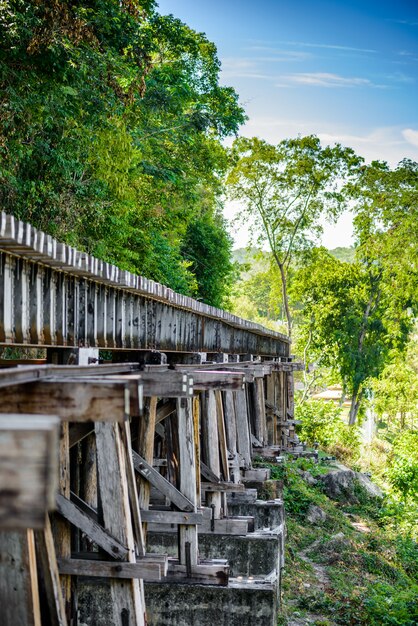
{"x": 98, "y": 457}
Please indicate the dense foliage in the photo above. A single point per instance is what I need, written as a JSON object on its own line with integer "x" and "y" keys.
{"x": 111, "y": 120}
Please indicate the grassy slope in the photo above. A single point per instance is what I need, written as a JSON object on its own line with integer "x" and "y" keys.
{"x": 371, "y": 578}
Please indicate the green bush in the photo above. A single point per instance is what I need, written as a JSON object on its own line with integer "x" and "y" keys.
{"x": 322, "y": 422}
{"x": 403, "y": 467}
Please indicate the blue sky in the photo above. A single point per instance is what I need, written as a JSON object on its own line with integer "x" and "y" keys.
{"x": 346, "y": 71}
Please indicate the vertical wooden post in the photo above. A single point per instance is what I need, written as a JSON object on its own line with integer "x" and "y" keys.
{"x": 210, "y": 445}
{"x": 243, "y": 428}
{"x": 187, "y": 460}
{"x": 127, "y": 604}
{"x": 231, "y": 432}
{"x": 145, "y": 448}
{"x": 60, "y": 527}
{"x": 196, "y": 433}
{"x": 19, "y": 596}
{"x": 45, "y": 551}
{"x": 223, "y": 448}
{"x": 271, "y": 418}
{"x": 283, "y": 409}
{"x": 259, "y": 411}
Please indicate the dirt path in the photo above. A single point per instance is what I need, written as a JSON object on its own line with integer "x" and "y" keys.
{"x": 322, "y": 580}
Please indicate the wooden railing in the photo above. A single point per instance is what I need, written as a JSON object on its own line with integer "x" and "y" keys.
{"x": 54, "y": 295}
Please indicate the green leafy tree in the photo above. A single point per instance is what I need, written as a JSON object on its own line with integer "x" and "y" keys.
{"x": 111, "y": 121}
{"x": 396, "y": 393}
{"x": 207, "y": 246}
{"x": 285, "y": 191}
{"x": 349, "y": 315}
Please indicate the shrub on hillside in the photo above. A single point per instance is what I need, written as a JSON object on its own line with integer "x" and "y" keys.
{"x": 322, "y": 422}
{"x": 403, "y": 466}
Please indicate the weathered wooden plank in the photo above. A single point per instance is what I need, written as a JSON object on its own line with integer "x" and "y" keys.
{"x": 164, "y": 410}
{"x": 222, "y": 487}
{"x": 222, "y": 436}
{"x": 114, "y": 497}
{"x": 19, "y": 596}
{"x": 132, "y": 487}
{"x": 204, "y": 574}
{"x": 145, "y": 448}
{"x": 87, "y": 524}
{"x": 11, "y": 376}
{"x": 162, "y": 484}
{"x": 46, "y": 556}
{"x": 196, "y": 408}
{"x": 168, "y": 384}
{"x": 171, "y": 517}
{"x": 210, "y": 446}
{"x": 231, "y": 433}
{"x": 28, "y": 469}
{"x": 60, "y": 527}
{"x": 205, "y": 380}
{"x": 145, "y": 570}
{"x": 243, "y": 432}
{"x": 208, "y": 474}
{"x": 72, "y": 400}
{"x": 188, "y": 550}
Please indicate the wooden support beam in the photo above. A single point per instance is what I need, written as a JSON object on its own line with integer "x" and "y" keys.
{"x": 144, "y": 570}
{"x": 28, "y": 469}
{"x": 132, "y": 487}
{"x": 162, "y": 484}
{"x": 208, "y": 474}
{"x": 223, "y": 448}
{"x": 114, "y": 497}
{"x": 19, "y": 595}
{"x": 12, "y": 376}
{"x": 188, "y": 550}
{"x": 88, "y": 525}
{"x": 72, "y": 400}
{"x": 211, "y": 573}
{"x": 47, "y": 565}
{"x": 210, "y": 446}
{"x": 145, "y": 448}
{"x": 222, "y": 487}
{"x": 231, "y": 433}
{"x": 161, "y": 384}
{"x": 259, "y": 411}
{"x": 60, "y": 527}
{"x": 243, "y": 430}
{"x": 205, "y": 380}
{"x": 164, "y": 410}
{"x": 171, "y": 517}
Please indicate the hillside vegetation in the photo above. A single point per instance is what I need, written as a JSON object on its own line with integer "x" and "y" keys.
{"x": 353, "y": 563}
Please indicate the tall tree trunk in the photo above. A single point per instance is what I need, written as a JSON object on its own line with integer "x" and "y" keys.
{"x": 355, "y": 405}
{"x": 285, "y": 298}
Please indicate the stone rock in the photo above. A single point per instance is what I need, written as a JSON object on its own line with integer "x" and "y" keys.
{"x": 308, "y": 478}
{"x": 339, "y": 484}
{"x": 316, "y": 515}
{"x": 370, "y": 487}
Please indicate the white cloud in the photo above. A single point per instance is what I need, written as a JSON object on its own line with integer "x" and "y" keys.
{"x": 239, "y": 67}
{"x": 282, "y": 55}
{"x": 305, "y": 44}
{"x": 411, "y": 136}
{"x": 325, "y": 79}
